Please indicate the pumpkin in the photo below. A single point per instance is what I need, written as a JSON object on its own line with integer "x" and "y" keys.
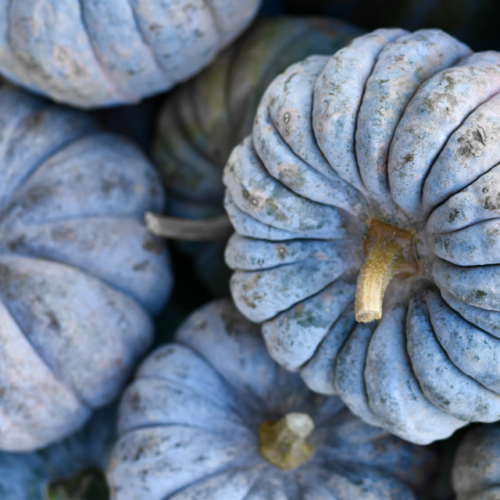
{"x": 202, "y": 120}
{"x": 213, "y": 416}
{"x": 476, "y": 465}
{"x": 70, "y": 469}
{"x": 79, "y": 273}
{"x": 365, "y": 206}
{"x": 92, "y": 53}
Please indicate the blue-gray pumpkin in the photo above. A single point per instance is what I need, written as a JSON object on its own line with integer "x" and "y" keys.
{"x": 374, "y": 164}
{"x": 72, "y": 469}
{"x": 476, "y": 465}
{"x": 92, "y": 53}
{"x": 213, "y": 416}
{"x": 79, "y": 273}
{"x": 204, "y": 119}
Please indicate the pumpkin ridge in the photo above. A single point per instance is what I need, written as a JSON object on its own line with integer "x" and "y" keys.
{"x": 101, "y": 284}
{"x": 146, "y": 43}
{"x": 271, "y": 63}
{"x": 215, "y": 19}
{"x": 183, "y": 127}
{"x": 55, "y": 373}
{"x": 443, "y": 147}
{"x": 21, "y": 248}
{"x": 4, "y": 211}
{"x": 236, "y": 406}
{"x": 121, "y": 93}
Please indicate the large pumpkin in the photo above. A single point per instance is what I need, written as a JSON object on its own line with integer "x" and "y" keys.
{"x": 203, "y": 119}
{"x": 476, "y": 466}
{"x": 212, "y": 416}
{"x": 99, "y": 53}
{"x": 374, "y": 164}
{"x": 79, "y": 273}
{"x": 73, "y": 469}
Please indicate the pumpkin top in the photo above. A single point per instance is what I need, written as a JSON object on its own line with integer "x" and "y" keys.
{"x": 399, "y": 128}
{"x": 189, "y": 426}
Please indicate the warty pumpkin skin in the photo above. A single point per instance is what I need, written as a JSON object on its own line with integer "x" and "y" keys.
{"x": 79, "y": 273}
{"x": 72, "y": 468}
{"x": 189, "y": 426}
{"x": 374, "y": 163}
{"x": 205, "y": 118}
{"x": 476, "y": 465}
{"x": 92, "y": 53}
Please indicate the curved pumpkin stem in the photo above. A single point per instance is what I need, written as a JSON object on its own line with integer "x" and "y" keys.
{"x": 390, "y": 253}
{"x": 175, "y": 228}
{"x": 284, "y": 443}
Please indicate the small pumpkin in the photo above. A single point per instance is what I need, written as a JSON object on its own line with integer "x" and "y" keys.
{"x": 366, "y": 205}
{"x": 212, "y": 416}
{"x": 70, "y": 469}
{"x": 476, "y": 465}
{"x": 79, "y": 273}
{"x": 93, "y": 53}
{"x": 202, "y": 120}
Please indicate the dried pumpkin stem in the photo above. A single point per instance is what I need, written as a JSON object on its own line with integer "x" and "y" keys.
{"x": 89, "y": 484}
{"x": 285, "y": 443}
{"x": 175, "y": 228}
{"x": 390, "y": 252}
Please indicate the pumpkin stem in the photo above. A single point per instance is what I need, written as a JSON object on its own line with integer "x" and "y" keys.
{"x": 89, "y": 484}
{"x": 390, "y": 252}
{"x": 175, "y": 228}
{"x": 284, "y": 443}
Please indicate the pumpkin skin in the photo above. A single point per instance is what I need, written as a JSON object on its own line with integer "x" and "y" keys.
{"x": 202, "y": 120}
{"x": 29, "y": 476}
{"x": 188, "y": 426}
{"x": 79, "y": 273}
{"x": 476, "y": 465}
{"x": 92, "y": 53}
{"x": 415, "y": 148}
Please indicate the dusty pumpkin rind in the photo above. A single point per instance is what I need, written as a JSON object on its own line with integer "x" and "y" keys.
{"x": 79, "y": 273}
{"x": 402, "y": 127}
{"x": 89, "y": 53}
{"x": 189, "y": 427}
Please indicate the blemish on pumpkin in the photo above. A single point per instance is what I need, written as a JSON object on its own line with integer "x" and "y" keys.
{"x": 453, "y": 215}
{"x": 107, "y": 186}
{"x": 54, "y": 322}
{"x": 135, "y": 401}
{"x": 489, "y": 202}
{"x": 408, "y": 158}
{"x": 479, "y": 294}
{"x": 17, "y": 244}
{"x": 141, "y": 266}
{"x": 280, "y": 251}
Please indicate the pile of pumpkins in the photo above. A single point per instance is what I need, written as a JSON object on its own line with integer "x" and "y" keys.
{"x": 342, "y": 187}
